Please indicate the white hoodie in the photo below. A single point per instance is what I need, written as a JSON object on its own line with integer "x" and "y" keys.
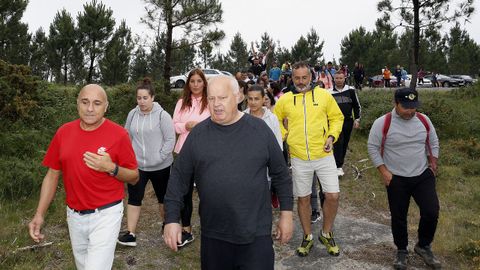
{"x": 272, "y": 122}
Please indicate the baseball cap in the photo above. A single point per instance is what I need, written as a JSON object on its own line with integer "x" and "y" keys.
{"x": 407, "y": 97}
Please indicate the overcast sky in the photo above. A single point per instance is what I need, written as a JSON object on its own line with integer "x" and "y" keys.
{"x": 284, "y": 21}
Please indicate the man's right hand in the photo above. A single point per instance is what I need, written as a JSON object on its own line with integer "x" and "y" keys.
{"x": 34, "y": 228}
{"x": 386, "y": 175}
{"x": 172, "y": 235}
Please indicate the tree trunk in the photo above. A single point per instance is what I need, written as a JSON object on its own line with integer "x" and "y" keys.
{"x": 168, "y": 47}
{"x": 168, "y": 55}
{"x": 92, "y": 60}
{"x": 415, "y": 44}
{"x": 65, "y": 78}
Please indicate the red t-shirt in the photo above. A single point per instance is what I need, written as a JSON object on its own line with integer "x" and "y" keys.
{"x": 85, "y": 187}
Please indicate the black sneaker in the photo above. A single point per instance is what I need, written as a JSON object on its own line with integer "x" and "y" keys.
{"x": 186, "y": 239}
{"x": 315, "y": 216}
{"x": 428, "y": 257}
{"x": 128, "y": 239}
{"x": 401, "y": 260}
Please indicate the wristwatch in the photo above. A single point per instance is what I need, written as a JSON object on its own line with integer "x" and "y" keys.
{"x": 114, "y": 172}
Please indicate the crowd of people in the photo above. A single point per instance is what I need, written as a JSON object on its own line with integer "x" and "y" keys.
{"x": 245, "y": 144}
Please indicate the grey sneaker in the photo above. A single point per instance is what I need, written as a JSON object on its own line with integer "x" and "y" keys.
{"x": 401, "y": 260}
{"x": 428, "y": 257}
{"x": 315, "y": 216}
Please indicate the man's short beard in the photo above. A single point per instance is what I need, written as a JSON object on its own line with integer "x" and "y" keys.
{"x": 304, "y": 89}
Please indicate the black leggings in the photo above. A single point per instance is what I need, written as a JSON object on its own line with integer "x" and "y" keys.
{"x": 341, "y": 145}
{"x": 187, "y": 210}
{"x": 159, "y": 182}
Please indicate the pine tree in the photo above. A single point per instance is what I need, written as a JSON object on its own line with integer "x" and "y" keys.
{"x": 95, "y": 24}
{"x": 315, "y": 47}
{"x": 463, "y": 52}
{"x": 116, "y": 60}
{"x": 300, "y": 50}
{"x": 60, "y": 45}
{"x": 157, "y": 57}
{"x": 238, "y": 54}
{"x": 38, "y": 55}
{"x": 14, "y": 36}
{"x": 139, "y": 68}
{"x": 193, "y": 16}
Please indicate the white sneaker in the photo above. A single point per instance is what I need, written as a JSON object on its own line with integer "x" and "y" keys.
{"x": 340, "y": 172}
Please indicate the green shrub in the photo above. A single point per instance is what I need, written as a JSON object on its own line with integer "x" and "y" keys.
{"x": 23, "y": 143}
{"x": 19, "y": 91}
{"x": 19, "y": 177}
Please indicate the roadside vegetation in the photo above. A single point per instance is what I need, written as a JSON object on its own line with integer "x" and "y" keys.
{"x": 31, "y": 111}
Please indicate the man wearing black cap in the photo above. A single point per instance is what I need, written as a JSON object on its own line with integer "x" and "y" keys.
{"x": 404, "y": 147}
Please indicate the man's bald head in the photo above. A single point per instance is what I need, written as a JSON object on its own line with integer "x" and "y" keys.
{"x": 92, "y": 104}
{"x": 93, "y": 88}
{"x": 226, "y": 81}
{"x": 223, "y": 96}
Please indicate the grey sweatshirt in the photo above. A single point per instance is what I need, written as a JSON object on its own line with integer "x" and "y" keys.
{"x": 230, "y": 167}
{"x": 153, "y": 137}
{"x": 405, "y": 152}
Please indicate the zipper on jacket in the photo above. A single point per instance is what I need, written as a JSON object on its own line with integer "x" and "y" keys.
{"x": 143, "y": 141}
{"x": 305, "y": 124}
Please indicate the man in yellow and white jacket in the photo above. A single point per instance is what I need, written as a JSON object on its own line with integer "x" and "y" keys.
{"x": 314, "y": 123}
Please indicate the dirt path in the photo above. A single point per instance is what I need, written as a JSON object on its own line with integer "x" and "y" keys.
{"x": 364, "y": 245}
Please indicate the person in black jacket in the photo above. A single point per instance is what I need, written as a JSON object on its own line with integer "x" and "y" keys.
{"x": 358, "y": 75}
{"x": 349, "y": 104}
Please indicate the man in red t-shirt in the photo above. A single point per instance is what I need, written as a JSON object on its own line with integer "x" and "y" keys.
{"x": 95, "y": 157}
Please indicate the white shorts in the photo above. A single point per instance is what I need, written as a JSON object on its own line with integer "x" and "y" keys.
{"x": 302, "y": 174}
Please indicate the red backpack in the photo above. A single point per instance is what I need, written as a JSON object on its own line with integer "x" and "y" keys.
{"x": 386, "y": 126}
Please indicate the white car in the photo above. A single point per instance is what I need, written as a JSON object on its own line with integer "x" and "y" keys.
{"x": 180, "y": 80}
{"x": 426, "y": 82}
{"x": 226, "y": 73}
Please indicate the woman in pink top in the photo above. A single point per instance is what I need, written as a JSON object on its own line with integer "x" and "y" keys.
{"x": 191, "y": 109}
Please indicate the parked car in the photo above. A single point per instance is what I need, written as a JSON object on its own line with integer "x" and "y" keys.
{"x": 180, "y": 80}
{"x": 426, "y": 82}
{"x": 377, "y": 81}
{"x": 466, "y": 78}
{"x": 226, "y": 73}
{"x": 446, "y": 81}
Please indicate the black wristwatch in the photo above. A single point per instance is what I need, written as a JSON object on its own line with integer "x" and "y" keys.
{"x": 114, "y": 172}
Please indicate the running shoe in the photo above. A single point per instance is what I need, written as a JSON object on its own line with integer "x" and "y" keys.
{"x": 315, "y": 216}
{"x": 329, "y": 242}
{"x": 428, "y": 257}
{"x": 401, "y": 260}
{"x": 305, "y": 247}
{"x": 127, "y": 239}
{"x": 187, "y": 238}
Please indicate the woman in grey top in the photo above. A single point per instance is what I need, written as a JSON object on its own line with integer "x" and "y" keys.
{"x": 153, "y": 138}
